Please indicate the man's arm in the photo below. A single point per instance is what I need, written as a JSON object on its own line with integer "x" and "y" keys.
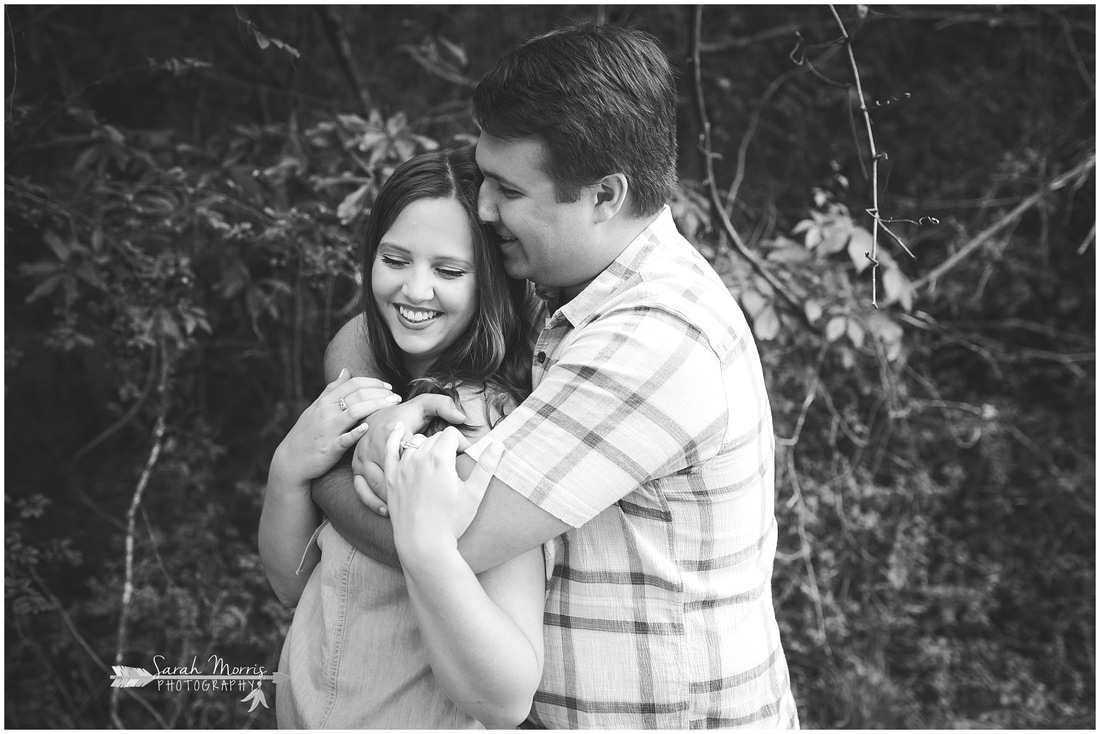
{"x": 506, "y": 524}
{"x": 334, "y": 493}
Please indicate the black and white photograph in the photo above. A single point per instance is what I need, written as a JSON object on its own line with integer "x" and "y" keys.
{"x": 614, "y": 366}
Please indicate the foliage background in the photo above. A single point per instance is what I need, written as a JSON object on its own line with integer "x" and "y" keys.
{"x": 184, "y": 192}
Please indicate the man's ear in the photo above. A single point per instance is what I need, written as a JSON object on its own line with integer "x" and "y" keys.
{"x": 610, "y": 193}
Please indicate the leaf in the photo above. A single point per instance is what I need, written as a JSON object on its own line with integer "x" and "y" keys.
{"x": 261, "y": 40}
{"x": 766, "y": 324}
{"x": 235, "y": 277}
{"x": 60, "y": 248}
{"x": 787, "y": 251}
{"x": 372, "y": 139}
{"x": 898, "y": 288}
{"x": 888, "y": 332}
{"x": 405, "y": 148}
{"x": 859, "y": 247}
{"x": 835, "y": 236}
{"x": 802, "y": 226}
{"x": 855, "y": 333}
{"x": 353, "y": 204}
{"x": 813, "y": 310}
{"x": 753, "y": 302}
{"x": 835, "y": 328}
{"x": 814, "y": 236}
{"x": 455, "y": 50}
{"x": 761, "y": 284}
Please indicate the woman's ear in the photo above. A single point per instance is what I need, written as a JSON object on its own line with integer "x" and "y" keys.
{"x": 610, "y": 192}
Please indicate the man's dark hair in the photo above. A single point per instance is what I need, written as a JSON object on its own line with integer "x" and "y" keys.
{"x": 601, "y": 98}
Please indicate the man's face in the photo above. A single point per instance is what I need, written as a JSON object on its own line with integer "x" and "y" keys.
{"x": 545, "y": 241}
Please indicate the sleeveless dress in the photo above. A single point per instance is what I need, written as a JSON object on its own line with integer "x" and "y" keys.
{"x": 354, "y": 653}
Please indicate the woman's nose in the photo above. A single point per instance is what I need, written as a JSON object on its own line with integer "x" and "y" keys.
{"x": 418, "y": 286}
{"x": 486, "y": 204}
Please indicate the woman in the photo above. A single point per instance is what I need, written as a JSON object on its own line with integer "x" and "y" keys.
{"x": 430, "y": 645}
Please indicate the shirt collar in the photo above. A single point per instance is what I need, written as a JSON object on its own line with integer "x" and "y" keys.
{"x": 621, "y": 270}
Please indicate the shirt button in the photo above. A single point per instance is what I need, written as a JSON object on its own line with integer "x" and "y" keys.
{"x": 541, "y": 358}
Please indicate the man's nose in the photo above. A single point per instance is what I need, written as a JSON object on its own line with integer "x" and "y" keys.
{"x": 486, "y": 204}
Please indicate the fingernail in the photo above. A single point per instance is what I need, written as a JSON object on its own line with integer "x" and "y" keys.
{"x": 344, "y": 372}
{"x": 387, "y": 385}
{"x": 393, "y": 399}
{"x": 362, "y": 428}
{"x": 398, "y": 427}
{"x": 383, "y": 511}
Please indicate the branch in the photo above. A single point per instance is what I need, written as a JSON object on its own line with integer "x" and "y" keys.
{"x": 344, "y": 55}
{"x": 750, "y": 132}
{"x": 131, "y": 520}
{"x": 14, "y": 64}
{"x": 708, "y": 160}
{"x": 874, "y": 211}
{"x": 743, "y": 41}
{"x": 1057, "y": 183}
{"x": 126, "y": 418}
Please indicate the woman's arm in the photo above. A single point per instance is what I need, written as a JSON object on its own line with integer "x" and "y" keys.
{"x": 322, "y": 434}
{"x": 367, "y": 530}
{"x": 483, "y": 636}
{"x": 287, "y": 523}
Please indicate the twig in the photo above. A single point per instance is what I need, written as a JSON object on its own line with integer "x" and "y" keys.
{"x": 129, "y": 415}
{"x": 743, "y": 41}
{"x": 708, "y": 160}
{"x": 811, "y": 393}
{"x": 874, "y": 210}
{"x": 131, "y": 520}
{"x": 807, "y": 552}
{"x": 65, "y": 618}
{"x": 1057, "y": 183}
{"x": 1082, "y": 67}
{"x": 1088, "y": 240}
{"x": 750, "y": 131}
{"x": 344, "y": 55}
{"x": 14, "y": 65}
{"x": 84, "y": 643}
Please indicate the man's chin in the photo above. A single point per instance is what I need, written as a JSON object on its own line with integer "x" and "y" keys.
{"x": 517, "y": 270}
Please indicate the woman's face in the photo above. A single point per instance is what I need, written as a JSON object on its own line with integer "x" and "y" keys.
{"x": 424, "y": 279}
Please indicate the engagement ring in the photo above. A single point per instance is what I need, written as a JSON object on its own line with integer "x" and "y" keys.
{"x": 342, "y": 403}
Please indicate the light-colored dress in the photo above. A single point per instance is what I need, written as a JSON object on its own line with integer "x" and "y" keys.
{"x": 354, "y": 653}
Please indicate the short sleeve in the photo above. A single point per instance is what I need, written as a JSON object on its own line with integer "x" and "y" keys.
{"x": 635, "y": 394}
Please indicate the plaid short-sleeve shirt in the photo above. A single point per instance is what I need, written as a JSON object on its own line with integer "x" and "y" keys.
{"x": 649, "y": 432}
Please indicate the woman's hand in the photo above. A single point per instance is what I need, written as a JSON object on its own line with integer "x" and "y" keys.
{"x": 428, "y": 502}
{"x": 327, "y": 428}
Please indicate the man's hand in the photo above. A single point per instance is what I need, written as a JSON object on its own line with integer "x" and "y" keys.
{"x": 370, "y": 451}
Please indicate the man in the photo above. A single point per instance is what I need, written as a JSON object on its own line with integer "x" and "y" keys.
{"x": 643, "y": 460}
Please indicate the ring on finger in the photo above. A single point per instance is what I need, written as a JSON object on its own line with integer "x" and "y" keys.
{"x": 342, "y": 403}
{"x": 412, "y": 443}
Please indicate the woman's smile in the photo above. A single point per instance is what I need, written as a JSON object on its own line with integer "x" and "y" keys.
{"x": 424, "y": 280}
{"x": 417, "y": 317}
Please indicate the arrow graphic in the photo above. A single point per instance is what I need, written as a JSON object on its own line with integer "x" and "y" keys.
{"x": 127, "y": 677}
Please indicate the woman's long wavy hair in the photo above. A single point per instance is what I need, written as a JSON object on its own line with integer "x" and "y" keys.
{"x": 495, "y": 349}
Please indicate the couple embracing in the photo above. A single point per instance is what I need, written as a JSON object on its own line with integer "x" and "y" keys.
{"x": 592, "y": 545}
